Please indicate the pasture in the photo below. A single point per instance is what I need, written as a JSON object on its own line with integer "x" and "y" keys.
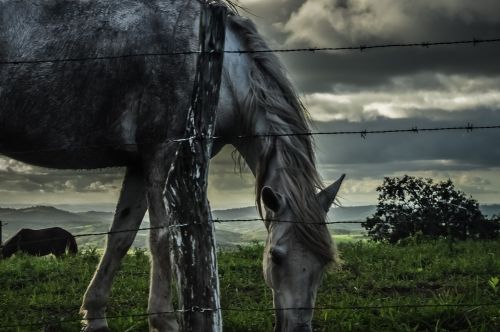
{"x": 373, "y": 276}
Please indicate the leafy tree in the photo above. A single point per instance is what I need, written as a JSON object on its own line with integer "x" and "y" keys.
{"x": 410, "y": 205}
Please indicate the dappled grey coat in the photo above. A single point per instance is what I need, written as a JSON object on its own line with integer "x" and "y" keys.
{"x": 61, "y": 106}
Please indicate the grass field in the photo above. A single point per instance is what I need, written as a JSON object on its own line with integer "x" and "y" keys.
{"x": 374, "y": 275}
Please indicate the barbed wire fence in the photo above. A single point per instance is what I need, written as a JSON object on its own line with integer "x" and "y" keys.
{"x": 362, "y": 133}
{"x": 425, "y": 45}
{"x": 215, "y": 221}
{"x": 59, "y": 322}
{"x": 469, "y": 128}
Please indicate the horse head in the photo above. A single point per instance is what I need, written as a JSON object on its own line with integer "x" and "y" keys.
{"x": 292, "y": 269}
{"x": 7, "y": 249}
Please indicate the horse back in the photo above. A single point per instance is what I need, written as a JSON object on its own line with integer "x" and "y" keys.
{"x": 40, "y": 242}
{"x": 112, "y": 101}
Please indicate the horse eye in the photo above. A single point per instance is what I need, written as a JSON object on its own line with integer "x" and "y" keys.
{"x": 277, "y": 255}
{"x": 277, "y": 259}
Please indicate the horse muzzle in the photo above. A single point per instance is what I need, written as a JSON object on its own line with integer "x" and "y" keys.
{"x": 289, "y": 324}
{"x": 294, "y": 328}
{"x": 302, "y": 328}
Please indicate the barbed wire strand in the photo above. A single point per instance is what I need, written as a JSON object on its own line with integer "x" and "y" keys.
{"x": 474, "y": 42}
{"x": 123, "y": 274}
{"x": 363, "y": 134}
{"x": 220, "y": 221}
{"x": 199, "y": 309}
{"x": 190, "y": 224}
{"x": 21, "y": 279}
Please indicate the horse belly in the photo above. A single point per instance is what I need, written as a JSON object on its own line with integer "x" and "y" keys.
{"x": 92, "y": 113}
{"x": 36, "y": 251}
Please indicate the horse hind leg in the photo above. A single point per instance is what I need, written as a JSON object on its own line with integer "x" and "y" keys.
{"x": 129, "y": 214}
{"x": 161, "y": 314}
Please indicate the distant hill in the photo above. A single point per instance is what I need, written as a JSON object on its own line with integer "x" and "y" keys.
{"x": 351, "y": 213}
{"x": 347, "y": 213}
{"x": 35, "y": 213}
{"x": 228, "y": 233}
{"x": 37, "y": 217}
{"x": 96, "y": 215}
{"x": 355, "y": 213}
{"x": 51, "y": 215}
{"x": 490, "y": 209}
{"x": 249, "y": 212}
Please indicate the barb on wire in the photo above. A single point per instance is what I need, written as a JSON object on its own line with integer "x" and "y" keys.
{"x": 363, "y": 133}
{"x": 474, "y": 42}
{"x": 199, "y": 309}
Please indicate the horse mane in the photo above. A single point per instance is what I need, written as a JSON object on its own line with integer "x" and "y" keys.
{"x": 272, "y": 92}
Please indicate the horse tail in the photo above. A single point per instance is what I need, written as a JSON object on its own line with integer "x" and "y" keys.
{"x": 72, "y": 246}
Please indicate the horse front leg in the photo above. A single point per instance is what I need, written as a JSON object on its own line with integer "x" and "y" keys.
{"x": 130, "y": 211}
{"x": 161, "y": 312}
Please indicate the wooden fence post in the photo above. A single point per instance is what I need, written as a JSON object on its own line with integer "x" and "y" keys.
{"x": 194, "y": 251}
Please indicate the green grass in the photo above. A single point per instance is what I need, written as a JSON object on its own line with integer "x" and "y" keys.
{"x": 349, "y": 238}
{"x": 374, "y": 275}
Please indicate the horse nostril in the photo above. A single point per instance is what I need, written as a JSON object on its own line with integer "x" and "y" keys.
{"x": 302, "y": 328}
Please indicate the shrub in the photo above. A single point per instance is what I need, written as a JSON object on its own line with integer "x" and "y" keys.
{"x": 410, "y": 205}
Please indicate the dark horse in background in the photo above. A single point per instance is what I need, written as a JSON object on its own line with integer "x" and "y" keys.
{"x": 40, "y": 242}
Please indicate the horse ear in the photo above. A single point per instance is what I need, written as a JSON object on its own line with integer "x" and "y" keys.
{"x": 271, "y": 200}
{"x": 327, "y": 195}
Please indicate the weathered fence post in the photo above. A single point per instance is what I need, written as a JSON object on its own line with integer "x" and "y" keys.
{"x": 1, "y": 232}
{"x": 194, "y": 253}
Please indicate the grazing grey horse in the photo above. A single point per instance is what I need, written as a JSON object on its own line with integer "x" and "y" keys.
{"x": 125, "y": 111}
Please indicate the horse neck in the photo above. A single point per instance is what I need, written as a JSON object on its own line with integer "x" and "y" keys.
{"x": 252, "y": 149}
{"x": 233, "y": 118}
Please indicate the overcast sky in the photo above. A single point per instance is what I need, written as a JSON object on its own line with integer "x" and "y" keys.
{"x": 376, "y": 89}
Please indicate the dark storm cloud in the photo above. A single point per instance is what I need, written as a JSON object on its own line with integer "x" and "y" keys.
{"x": 381, "y": 169}
{"x": 469, "y": 150}
{"x": 273, "y": 12}
{"x": 322, "y": 72}
{"x": 322, "y": 23}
